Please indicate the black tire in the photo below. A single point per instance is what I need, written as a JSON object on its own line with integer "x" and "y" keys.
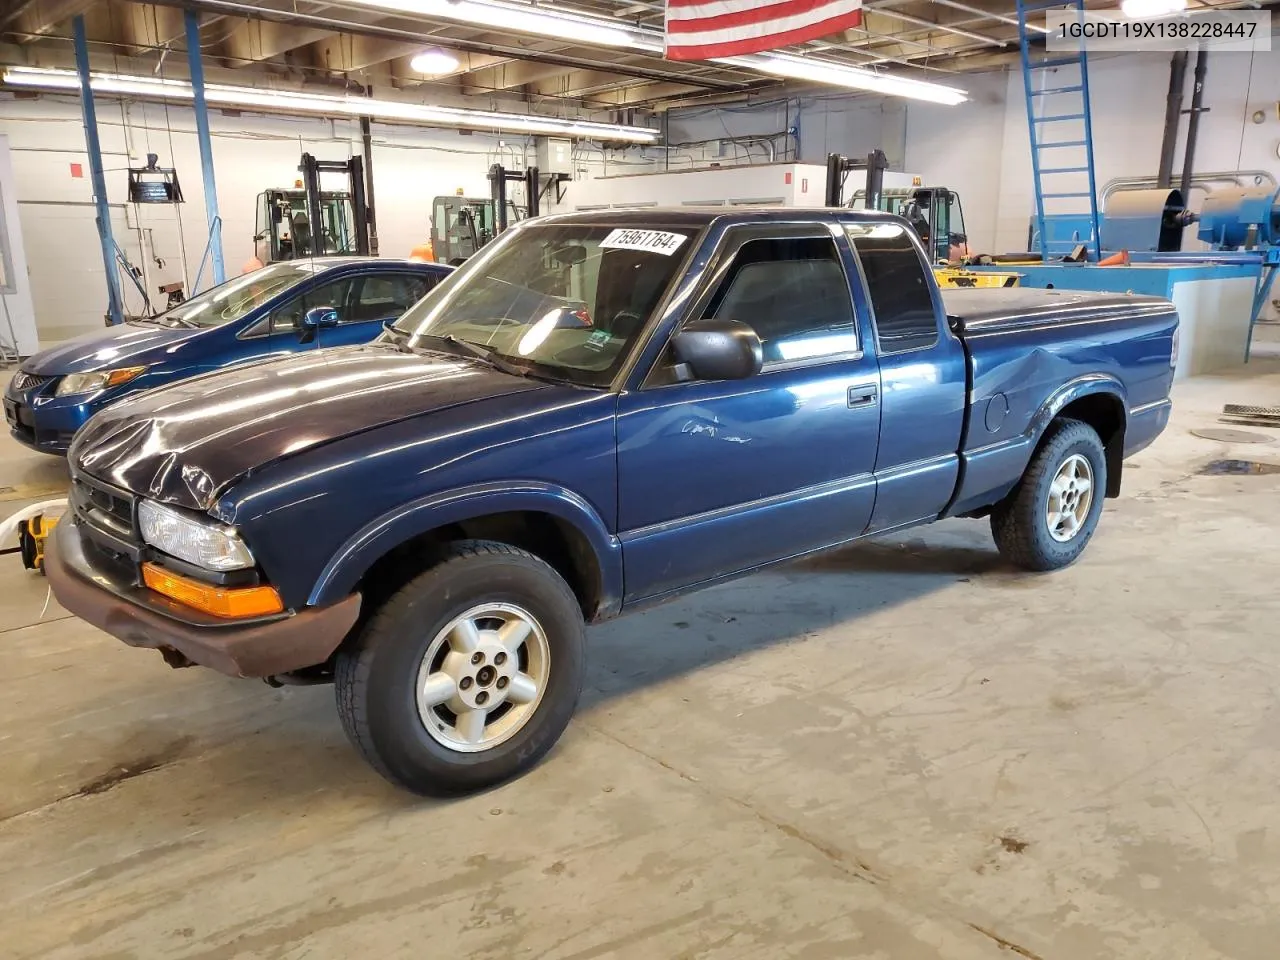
{"x": 377, "y": 671}
{"x": 1020, "y": 521}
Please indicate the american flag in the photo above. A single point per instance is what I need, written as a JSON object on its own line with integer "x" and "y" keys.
{"x": 704, "y": 29}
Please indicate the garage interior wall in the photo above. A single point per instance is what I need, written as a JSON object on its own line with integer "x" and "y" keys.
{"x": 251, "y": 153}
{"x": 979, "y": 149}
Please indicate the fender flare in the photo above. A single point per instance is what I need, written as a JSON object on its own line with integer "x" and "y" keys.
{"x": 376, "y": 538}
{"x": 1089, "y": 385}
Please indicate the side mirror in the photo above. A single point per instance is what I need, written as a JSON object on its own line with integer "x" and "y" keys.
{"x": 719, "y": 349}
{"x": 317, "y": 318}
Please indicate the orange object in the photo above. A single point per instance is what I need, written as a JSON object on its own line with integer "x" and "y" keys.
{"x": 250, "y": 265}
{"x": 1120, "y": 259}
{"x": 228, "y": 602}
{"x": 423, "y": 253}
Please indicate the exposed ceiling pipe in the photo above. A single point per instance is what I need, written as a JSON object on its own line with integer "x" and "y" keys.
{"x": 988, "y": 15}
{"x": 1193, "y": 121}
{"x": 1172, "y": 117}
{"x": 905, "y": 18}
{"x": 249, "y": 11}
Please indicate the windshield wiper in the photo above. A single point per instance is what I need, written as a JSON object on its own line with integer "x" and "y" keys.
{"x": 485, "y": 354}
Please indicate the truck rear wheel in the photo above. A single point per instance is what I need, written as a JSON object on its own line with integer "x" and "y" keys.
{"x": 468, "y": 674}
{"x": 1048, "y": 519}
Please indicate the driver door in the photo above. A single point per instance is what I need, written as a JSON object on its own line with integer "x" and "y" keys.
{"x": 717, "y": 477}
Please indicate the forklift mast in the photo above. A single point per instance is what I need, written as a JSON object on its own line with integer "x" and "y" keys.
{"x": 838, "y": 168}
{"x": 499, "y": 177}
{"x": 311, "y": 168}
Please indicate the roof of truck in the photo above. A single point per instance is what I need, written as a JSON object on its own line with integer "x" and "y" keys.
{"x": 701, "y": 216}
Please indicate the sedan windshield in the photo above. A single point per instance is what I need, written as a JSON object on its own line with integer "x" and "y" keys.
{"x": 235, "y": 298}
{"x": 567, "y": 301}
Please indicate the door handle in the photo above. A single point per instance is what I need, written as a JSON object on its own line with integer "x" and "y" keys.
{"x": 863, "y": 395}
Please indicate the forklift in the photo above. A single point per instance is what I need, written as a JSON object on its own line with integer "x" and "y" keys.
{"x": 935, "y": 213}
{"x": 310, "y": 222}
{"x": 460, "y": 226}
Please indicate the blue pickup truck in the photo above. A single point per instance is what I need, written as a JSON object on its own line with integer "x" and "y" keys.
{"x": 281, "y": 309}
{"x": 597, "y": 412}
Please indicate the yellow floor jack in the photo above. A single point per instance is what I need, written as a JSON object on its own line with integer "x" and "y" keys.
{"x": 32, "y": 526}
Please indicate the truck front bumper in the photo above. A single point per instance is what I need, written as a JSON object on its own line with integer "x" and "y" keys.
{"x": 143, "y": 618}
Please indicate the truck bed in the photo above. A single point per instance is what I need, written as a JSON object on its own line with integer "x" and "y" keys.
{"x": 998, "y": 310}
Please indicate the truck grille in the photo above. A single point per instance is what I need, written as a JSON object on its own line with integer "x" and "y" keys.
{"x": 105, "y": 513}
{"x": 28, "y": 381}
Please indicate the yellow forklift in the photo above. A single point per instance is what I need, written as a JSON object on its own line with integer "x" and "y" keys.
{"x": 934, "y": 212}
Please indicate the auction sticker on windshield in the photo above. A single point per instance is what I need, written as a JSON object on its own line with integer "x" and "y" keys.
{"x": 656, "y": 241}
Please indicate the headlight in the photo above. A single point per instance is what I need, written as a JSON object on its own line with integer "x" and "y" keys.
{"x": 98, "y": 380}
{"x": 204, "y": 544}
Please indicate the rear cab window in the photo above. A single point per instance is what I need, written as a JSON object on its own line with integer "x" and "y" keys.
{"x": 897, "y": 285}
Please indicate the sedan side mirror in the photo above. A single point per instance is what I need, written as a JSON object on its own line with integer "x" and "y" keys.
{"x": 719, "y": 349}
{"x": 317, "y": 318}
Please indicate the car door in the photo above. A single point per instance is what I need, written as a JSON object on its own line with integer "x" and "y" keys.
{"x": 923, "y": 375}
{"x": 281, "y": 331}
{"x": 373, "y": 300}
{"x": 719, "y": 477}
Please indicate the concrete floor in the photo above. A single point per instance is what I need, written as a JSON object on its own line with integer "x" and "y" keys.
{"x": 902, "y": 750}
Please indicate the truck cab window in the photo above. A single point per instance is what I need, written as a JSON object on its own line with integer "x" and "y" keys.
{"x": 794, "y": 294}
{"x": 897, "y": 285}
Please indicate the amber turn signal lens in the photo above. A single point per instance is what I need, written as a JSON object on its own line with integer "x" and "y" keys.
{"x": 229, "y": 602}
{"x": 123, "y": 375}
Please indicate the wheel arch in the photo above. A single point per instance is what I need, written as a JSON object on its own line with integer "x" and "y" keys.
{"x": 1099, "y": 401}
{"x": 551, "y": 522}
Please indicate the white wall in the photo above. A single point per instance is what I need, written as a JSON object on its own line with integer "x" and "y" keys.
{"x": 250, "y": 153}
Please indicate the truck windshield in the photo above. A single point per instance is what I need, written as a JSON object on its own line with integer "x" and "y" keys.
{"x": 567, "y": 301}
{"x": 235, "y": 298}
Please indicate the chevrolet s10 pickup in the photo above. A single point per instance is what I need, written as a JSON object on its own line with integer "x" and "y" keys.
{"x": 597, "y": 412}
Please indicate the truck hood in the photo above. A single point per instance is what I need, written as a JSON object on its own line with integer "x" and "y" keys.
{"x": 184, "y": 444}
{"x": 128, "y": 345}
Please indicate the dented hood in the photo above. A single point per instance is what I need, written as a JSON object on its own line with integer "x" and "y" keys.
{"x": 184, "y": 444}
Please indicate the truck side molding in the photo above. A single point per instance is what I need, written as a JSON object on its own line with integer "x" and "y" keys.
{"x": 381, "y": 535}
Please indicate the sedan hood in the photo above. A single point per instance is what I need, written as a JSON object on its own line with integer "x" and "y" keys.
{"x": 184, "y": 444}
{"x": 127, "y": 345}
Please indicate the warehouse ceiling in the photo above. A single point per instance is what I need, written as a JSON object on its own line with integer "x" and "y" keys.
{"x": 362, "y": 43}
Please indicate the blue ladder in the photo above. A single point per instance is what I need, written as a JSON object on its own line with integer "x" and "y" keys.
{"x": 1061, "y": 136}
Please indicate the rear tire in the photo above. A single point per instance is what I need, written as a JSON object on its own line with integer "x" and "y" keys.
{"x": 468, "y": 674}
{"x": 1048, "y": 519}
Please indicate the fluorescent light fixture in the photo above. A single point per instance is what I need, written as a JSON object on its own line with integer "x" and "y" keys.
{"x": 288, "y": 101}
{"x": 434, "y": 62}
{"x": 598, "y": 31}
{"x": 1151, "y": 9}
{"x": 814, "y": 70}
{"x": 525, "y": 18}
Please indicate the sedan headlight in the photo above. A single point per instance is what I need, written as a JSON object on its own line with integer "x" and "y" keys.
{"x": 204, "y": 544}
{"x": 97, "y": 380}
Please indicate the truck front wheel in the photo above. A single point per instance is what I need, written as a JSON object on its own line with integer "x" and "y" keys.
{"x": 468, "y": 674}
{"x": 1047, "y": 520}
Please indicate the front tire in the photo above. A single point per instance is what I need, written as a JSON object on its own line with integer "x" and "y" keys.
{"x": 468, "y": 674}
{"x": 1048, "y": 519}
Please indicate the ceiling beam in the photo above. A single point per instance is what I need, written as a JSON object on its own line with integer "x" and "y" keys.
{"x": 256, "y": 40}
{"x": 35, "y": 18}
{"x": 505, "y": 76}
{"x": 343, "y": 53}
{"x": 333, "y": 25}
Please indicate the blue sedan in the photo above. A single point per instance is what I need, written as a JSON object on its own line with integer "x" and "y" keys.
{"x": 281, "y": 309}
